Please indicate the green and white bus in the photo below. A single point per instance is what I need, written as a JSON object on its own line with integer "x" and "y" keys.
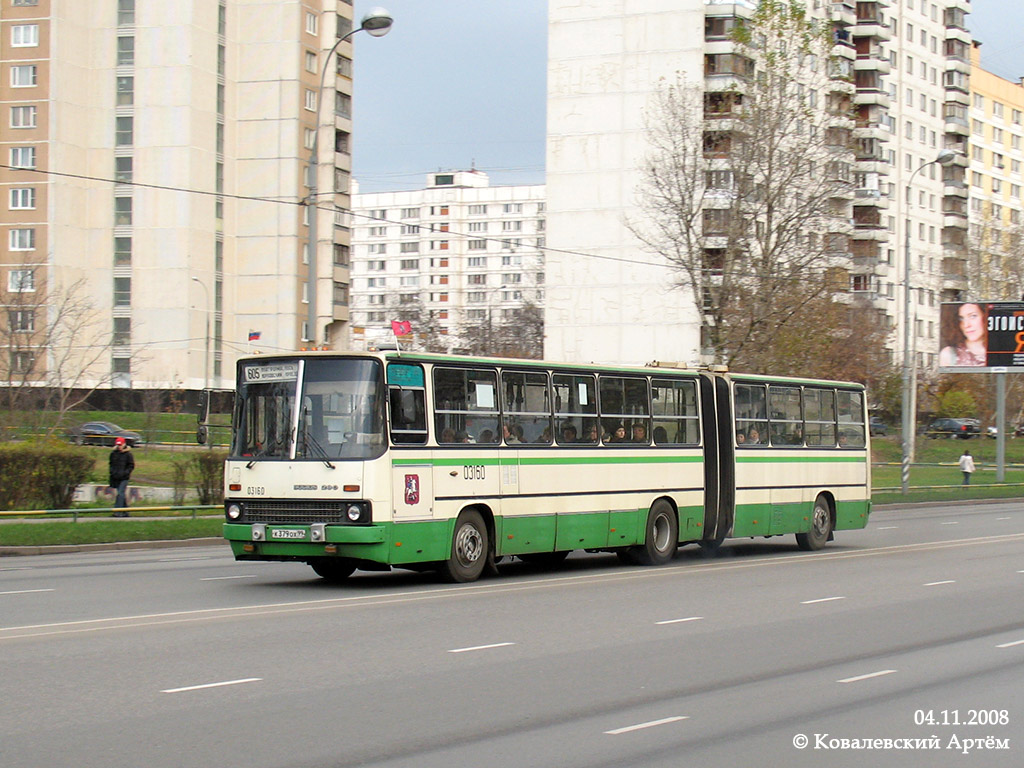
{"x": 352, "y": 461}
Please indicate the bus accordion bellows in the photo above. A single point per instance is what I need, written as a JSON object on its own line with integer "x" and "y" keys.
{"x": 349, "y": 461}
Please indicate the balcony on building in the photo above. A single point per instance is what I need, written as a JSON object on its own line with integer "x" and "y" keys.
{"x": 957, "y": 49}
{"x": 733, "y": 64}
{"x": 842, "y": 43}
{"x": 870, "y": 22}
{"x": 954, "y": 181}
{"x": 954, "y": 211}
{"x": 843, "y": 13}
{"x": 721, "y": 105}
{"x": 721, "y": 26}
{"x": 955, "y": 80}
{"x": 955, "y": 18}
{"x": 954, "y": 272}
{"x": 868, "y": 123}
{"x": 954, "y": 239}
{"x": 866, "y": 254}
{"x": 955, "y": 118}
{"x": 717, "y": 144}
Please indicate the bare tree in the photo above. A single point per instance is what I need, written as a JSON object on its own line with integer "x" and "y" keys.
{"x": 56, "y": 348}
{"x": 995, "y": 265}
{"x": 746, "y": 189}
{"x": 517, "y": 332}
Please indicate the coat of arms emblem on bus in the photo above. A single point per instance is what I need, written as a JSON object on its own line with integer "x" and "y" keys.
{"x": 412, "y": 489}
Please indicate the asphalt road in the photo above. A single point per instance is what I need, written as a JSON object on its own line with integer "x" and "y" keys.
{"x": 899, "y": 645}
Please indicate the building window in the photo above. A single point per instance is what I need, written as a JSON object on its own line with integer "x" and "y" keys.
{"x": 125, "y": 13}
{"x": 312, "y": 23}
{"x": 122, "y": 211}
{"x": 23, "y": 76}
{"x": 125, "y": 51}
{"x": 478, "y": 226}
{"x": 122, "y": 251}
{"x": 21, "y": 281}
{"x": 478, "y": 210}
{"x": 22, "y": 362}
{"x": 21, "y": 320}
{"x": 123, "y": 170}
{"x": 125, "y": 91}
{"x": 24, "y": 35}
{"x": 23, "y": 198}
{"x": 410, "y": 213}
{"x": 311, "y": 62}
{"x": 409, "y": 248}
{"x": 122, "y": 291}
{"x": 340, "y": 294}
{"x": 310, "y": 100}
{"x": 124, "y": 131}
{"x": 22, "y": 240}
{"x": 410, "y": 264}
{"x": 122, "y": 331}
{"x": 477, "y": 245}
{"x": 23, "y": 157}
{"x": 23, "y": 117}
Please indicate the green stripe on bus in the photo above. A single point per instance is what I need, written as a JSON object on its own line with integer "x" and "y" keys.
{"x": 799, "y": 459}
{"x": 548, "y": 461}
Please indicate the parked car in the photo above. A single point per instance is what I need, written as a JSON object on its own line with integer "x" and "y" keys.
{"x": 101, "y": 433}
{"x": 962, "y": 428}
{"x": 877, "y": 427}
{"x": 991, "y": 431}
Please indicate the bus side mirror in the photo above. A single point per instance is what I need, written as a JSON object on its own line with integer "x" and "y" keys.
{"x": 202, "y": 434}
{"x": 203, "y": 410}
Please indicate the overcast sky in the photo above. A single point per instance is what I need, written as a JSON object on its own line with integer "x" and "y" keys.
{"x": 460, "y": 83}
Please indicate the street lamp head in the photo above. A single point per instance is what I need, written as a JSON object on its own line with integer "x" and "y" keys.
{"x": 945, "y": 157}
{"x": 377, "y": 22}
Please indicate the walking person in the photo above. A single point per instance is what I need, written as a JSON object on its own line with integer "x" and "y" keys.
{"x": 121, "y": 465}
{"x": 967, "y": 466}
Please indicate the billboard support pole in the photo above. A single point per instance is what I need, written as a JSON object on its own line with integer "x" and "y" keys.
{"x": 1001, "y": 426}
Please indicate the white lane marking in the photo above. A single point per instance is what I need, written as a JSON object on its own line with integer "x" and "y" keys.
{"x": 479, "y": 647}
{"x": 821, "y": 600}
{"x": 213, "y": 685}
{"x": 651, "y": 724}
{"x": 954, "y": 522}
{"x": 225, "y": 578}
{"x": 26, "y": 591}
{"x": 858, "y": 678}
{"x": 937, "y": 583}
{"x": 485, "y": 588}
{"x": 1002, "y": 518}
{"x": 1010, "y": 645}
{"x": 887, "y": 528}
{"x": 680, "y": 621}
{"x": 181, "y": 559}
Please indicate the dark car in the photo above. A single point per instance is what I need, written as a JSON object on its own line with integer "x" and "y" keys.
{"x": 101, "y": 433}
{"x": 962, "y": 428}
{"x": 878, "y": 427}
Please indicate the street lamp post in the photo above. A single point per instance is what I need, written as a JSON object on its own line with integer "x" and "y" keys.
{"x": 945, "y": 157}
{"x": 377, "y": 23}
{"x": 206, "y": 358}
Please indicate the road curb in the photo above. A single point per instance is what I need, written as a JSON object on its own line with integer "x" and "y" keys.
{"x": 62, "y": 549}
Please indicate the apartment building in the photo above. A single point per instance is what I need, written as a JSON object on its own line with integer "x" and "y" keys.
{"x": 458, "y": 252}
{"x": 163, "y": 153}
{"x": 997, "y": 162}
{"x": 904, "y": 68}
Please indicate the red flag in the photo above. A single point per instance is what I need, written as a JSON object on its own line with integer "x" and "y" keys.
{"x": 401, "y": 328}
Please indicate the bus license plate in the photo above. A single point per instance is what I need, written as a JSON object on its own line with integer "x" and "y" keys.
{"x": 287, "y": 533}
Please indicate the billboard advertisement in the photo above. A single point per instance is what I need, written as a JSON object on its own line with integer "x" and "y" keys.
{"x": 975, "y": 337}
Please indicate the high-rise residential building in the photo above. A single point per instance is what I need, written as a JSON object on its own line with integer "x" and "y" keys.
{"x": 905, "y": 65}
{"x": 454, "y": 254}
{"x": 997, "y": 163}
{"x": 146, "y": 132}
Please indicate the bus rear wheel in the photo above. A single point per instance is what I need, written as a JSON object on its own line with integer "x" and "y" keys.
{"x": 662, "y": 537}
{"x": 821, "y": 527}
{"x": 332, "y": 569}
{"x": 469, "y": 549}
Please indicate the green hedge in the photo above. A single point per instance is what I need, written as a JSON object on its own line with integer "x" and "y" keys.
{"x": 41, "y": 475}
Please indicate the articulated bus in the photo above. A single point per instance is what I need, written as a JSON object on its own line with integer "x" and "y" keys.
{"x": 350, "y": 461}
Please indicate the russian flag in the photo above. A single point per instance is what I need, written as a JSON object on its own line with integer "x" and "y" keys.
{"x": 254, "y": 335}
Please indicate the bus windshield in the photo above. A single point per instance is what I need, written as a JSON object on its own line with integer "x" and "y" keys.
{"x": 318, "y": 409}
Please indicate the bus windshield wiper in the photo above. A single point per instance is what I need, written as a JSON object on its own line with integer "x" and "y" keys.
{"x": 309, "y": 441}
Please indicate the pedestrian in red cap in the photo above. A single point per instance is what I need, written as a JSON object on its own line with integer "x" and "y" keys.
{"x": 121, "y": 465}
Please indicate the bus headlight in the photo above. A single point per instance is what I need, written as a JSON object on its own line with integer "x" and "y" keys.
{"x": 354, "y": 513}
{"x": 234, "y": 511}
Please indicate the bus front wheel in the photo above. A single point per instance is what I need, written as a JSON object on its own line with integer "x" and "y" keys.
{"x": 469, "y": 549}
{"x": 821, "y": 527}
{"x": 332, "y": 568}
{"x": 662, "y": 537}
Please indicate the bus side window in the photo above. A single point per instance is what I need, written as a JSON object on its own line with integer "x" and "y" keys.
{"x": 408, "y": 416}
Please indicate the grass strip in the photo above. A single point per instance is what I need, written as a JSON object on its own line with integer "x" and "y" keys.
{"x": 45, "y": 534}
